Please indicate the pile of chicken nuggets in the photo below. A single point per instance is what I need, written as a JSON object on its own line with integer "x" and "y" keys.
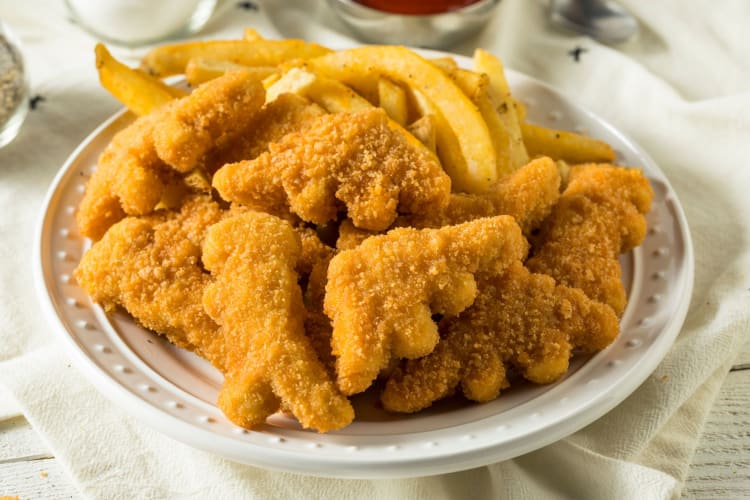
{"x": 311, "y": 256}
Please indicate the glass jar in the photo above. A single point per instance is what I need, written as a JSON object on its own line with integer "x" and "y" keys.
{"x": 14, "y": 86}
{"x": 134, "y": 23}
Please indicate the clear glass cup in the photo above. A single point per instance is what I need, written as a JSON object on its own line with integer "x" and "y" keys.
{"x": 133, "y": 23}
{"x": 14, "y": 86}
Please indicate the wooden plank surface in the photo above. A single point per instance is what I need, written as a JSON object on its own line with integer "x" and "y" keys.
{"x": 721, "y": 465}
{"x": 720, "y": 468}
{"x": 36, "y": 479}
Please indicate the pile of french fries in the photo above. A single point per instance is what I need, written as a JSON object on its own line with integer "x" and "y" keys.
{"x": 469, "y": 118}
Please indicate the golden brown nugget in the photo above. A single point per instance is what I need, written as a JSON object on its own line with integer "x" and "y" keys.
{"x": 382, "y": 294}
{"x": 151, "y": 267}
{"x": 600, "y": 215}
{"x": 144, "y": 161}
{"x": 359, "y": 161}
{"x": 351, "y": 236}
{"x": 520, "y": 320}
{"x": 527, "y": 195}
{"x": 213, "y": 115}
{"x": 285, "y": 114}
{"x": 129, "y": 179}
{"x": 258, "y": 303}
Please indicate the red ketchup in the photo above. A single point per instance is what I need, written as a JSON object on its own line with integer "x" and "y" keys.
{"x": 419, "y": 7}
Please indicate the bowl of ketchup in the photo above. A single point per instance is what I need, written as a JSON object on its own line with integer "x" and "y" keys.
{"x": 435, "y": 24}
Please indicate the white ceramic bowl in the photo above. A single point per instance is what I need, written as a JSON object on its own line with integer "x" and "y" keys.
{"x": 428, "y": 31}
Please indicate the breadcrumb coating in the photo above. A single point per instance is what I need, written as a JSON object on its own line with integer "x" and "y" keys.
{"x": 359, "y": 161}
{"x": 151, "y": 266}
{"x": 129, "y": 179}
{"x": 211, "y": 116}
{"x": 153, "y": 159}
{"x": 285, "y": 114}
{"x": 599, "y": 215}
{"x": 382, "y": 294}
{"x": 519, "y": 320}
{"x": 257, "y": 301}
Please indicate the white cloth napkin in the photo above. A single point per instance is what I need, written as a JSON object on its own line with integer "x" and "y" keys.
{"x": 682, "y": 91}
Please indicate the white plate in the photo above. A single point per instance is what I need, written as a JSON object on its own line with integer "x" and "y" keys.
{"x": 174, "y": 391}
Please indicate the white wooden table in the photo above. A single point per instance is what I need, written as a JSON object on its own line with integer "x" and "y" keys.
{"x": 720, "y": 468}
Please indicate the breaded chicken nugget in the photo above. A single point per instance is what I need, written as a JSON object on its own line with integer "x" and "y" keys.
{"x": 520, "y": 320}
{"x": 258, "y": 303}
{"x": 600, "y": 215}
{"x": 144, "y": 162}
{"x": 151, "y": 267}
{"x": 361, "y": 161}
{"x": 285, "y": 114}
{"x": 213, "y": 115}
{"x": 129, "y": 179}
{"x": 381, "y": 295}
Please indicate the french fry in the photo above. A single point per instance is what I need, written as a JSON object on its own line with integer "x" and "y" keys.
{"x": 520, "y": 111}
{"x": 270, "y": 80}
{"x": 200, "y": 70}
{"x": 424, "y": 130}
{"x": 140, "y": 92}
{"x": 563, "y": 145}
{"x": 331, "y": 95}
{"x": 251, "y": 35}
{"x": 477, "y": 87}
{"x": 463, "y": 143}
{"x": 485, "y": 62}
{"x": 172, "y": 59}
{"x": 392, "y": 98}
{"x": 447, "y": 64}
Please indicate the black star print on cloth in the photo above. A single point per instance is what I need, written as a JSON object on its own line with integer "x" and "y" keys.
{"x": 34, "y": 101}
{"x": 248, "y": 6}
{"x": 576, "y": 53}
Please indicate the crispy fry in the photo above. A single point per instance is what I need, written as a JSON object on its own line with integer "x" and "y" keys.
{"x": 169, "y": 60}
{"x": 200, "y": 70}
{"x": 447, "y": 64}
{"x": 505, "y": 105}
{"x": 392, "y": 98}
{"x": 511, "y": 153}
{"x": 424, "y": 129}
{"x": 331, "y": 95}
{"x": 564, "y": 145}
{"x": 140, "y": 92}
{"x": 251, "y": 35}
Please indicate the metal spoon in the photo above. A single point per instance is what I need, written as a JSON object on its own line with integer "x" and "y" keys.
{"x": 603, "y": 20}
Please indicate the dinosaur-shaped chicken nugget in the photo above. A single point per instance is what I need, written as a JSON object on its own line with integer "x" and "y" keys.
{"x": 599, "y": 215}
{"x": 382, "y": 294}
{"x": 519, "y": 319}
{"x": 359, "y": 160}
{"x": 150, "y": 266}
{"x": 258, "y": 303}
{"x": 150, "y": 156}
